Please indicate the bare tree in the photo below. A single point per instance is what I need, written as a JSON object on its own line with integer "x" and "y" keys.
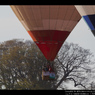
{"x": 72, "y": 64}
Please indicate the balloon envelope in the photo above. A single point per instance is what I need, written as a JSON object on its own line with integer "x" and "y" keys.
{"x": 48, "y": 25}
{"x": 88, "y": 14}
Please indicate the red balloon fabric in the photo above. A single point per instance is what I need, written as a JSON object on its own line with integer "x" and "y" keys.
{"x": 49, "y": 41}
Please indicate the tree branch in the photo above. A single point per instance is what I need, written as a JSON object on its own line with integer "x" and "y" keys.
{"x": 75, "y": 82}
{"x": 61, "y": 65}
{"x": 77, "y": 76}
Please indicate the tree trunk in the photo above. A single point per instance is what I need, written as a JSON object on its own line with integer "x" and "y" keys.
{"x": 55, "y": 87}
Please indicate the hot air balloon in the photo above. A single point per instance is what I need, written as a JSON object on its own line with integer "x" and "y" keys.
{"x": 88, "y": 14}
{"x": 48, "y": 25}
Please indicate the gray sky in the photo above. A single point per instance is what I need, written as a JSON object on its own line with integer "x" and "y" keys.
{"x": 11, "y": 28}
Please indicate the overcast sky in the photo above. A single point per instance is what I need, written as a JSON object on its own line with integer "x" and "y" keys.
{"x": 11, "y": 28}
